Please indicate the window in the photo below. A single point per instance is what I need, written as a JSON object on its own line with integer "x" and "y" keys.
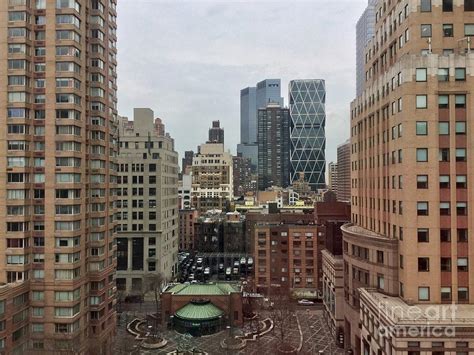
{"x": 460, "y": 101}
{"x": 421, "y": 128}
{"x": 460, "y": 74}
{"x": 425, "y": 6}
{"x": 443, "y": 128}
{"x": 445, "y": 235}
{"x": 421, "y": 74}
{"x": 443, "y": 74}
{"x": 462, "y": 264}
{"x": 422, "y": 181}
{"x": 444, "y": 154}
{"x": 445, "y": 296}
{"x": 421, "y": 154}
{"x": 461, "y": 181}
{"x": 423, "y": 293}
{"x": 421, "y": 101}
{"x": 461, "y": 208}
{"x": 468, "y": 5}
{"x": 469, "y": 29}
{"x": 448, "y": 30}
{"x": 425, "y": 30}
{"x": 460, "y": 127}
{"x": 422, "y": 208}
{"x": 444, "y": 208}
{"x": 444, "y": 182}
{"x": 447, "y": 5}
{"x": 443, "y": 101}
{"x": 445, "y": 264}
{"x": 463, "y": 294}
{"x": 460, "y": 154}
{"x": 423, "y": 235}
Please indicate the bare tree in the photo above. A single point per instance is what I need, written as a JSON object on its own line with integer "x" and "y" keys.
{"x": 154, "y": 282}
{"x": 282, "y": 312}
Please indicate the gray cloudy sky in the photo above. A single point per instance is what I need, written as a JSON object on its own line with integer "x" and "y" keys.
{"x": 188, "y": 60}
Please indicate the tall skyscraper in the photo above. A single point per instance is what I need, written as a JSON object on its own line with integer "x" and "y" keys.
{"x": 147, "y": 239}
{"x": 216, "y": 133}
{"x": 307, "y": 131}
{"x": 408, "y": 252}
{"x": 273, "y": 146}
{"x": 251, "y": 99}
{"x": 332, "y": 176}
{"x": 365, "y": 31}
{"x": 58, "y": 170}
{"x": 343, "y": 189}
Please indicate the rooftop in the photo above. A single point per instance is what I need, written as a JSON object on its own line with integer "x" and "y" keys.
{"x": 211, "y": 289}
{"x": 199, "y": 311}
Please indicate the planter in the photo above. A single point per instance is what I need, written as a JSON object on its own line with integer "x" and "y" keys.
{"x": 147, "y": 344}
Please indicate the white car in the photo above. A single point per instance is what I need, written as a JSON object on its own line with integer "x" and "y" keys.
{"x": 305, "y": 303}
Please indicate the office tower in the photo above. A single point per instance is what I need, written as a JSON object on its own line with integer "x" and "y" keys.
{"x": 242, "y": 170}
{"x": 365, "y": 31}
{"x": 332, "y": 176}
{"x": 251, "y": 99}
{"x": 187, "y": 162}
{"x": 58, "y": 123}
{"x": 408, "y": 246}
{"x": 212, "y": 185}
{"x": 147, "y": 240}
{"x": 273, "y": 146}
{"x": 307, "y": 131}
{"x": 216, "y": 133}
{"x": 343, "y": 189}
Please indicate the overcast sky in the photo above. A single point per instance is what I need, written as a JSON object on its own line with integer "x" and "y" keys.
{"x": 188, "y": 60}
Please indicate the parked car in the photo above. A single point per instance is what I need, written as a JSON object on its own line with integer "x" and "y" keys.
{"x": 305, "y": 302}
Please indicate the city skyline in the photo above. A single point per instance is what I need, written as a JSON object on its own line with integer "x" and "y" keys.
{"x": 188, "y": 66}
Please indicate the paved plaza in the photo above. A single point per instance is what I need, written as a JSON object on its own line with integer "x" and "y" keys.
{"x": 308, "y": 330}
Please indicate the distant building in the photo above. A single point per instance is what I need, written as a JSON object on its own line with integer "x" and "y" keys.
{"x": 212, "y": 178}
{"x": 159, "y": 127}
{"x": 184, "y": 192}
{"x": 365, "y": 31}
{"x": 187, "y": 162}
{"x": 216, "y": 133}
{"x": 343, "y": 189}
{"x": 147, "y": 240}
{"x": 273, "y": 146}
{"x": 187, "y": 219}
{"x": 307, "y": 131}
{"x": 332, "y": 176}
{"x": 243, "y": 177}
{"x": 251, "y": 99}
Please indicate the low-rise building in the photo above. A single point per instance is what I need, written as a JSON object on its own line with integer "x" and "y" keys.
{"x": 200, "y": 309}
{"x": 187, "y": 219}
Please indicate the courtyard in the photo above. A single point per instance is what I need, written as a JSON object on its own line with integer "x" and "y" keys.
{"x": 307, "y": 331}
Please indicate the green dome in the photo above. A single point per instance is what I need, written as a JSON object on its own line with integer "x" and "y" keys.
{"x": 199, "y": 310}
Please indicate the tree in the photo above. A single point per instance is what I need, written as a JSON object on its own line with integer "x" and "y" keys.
{"x": 282, "y": 313}
{"x": 154, "y": 282}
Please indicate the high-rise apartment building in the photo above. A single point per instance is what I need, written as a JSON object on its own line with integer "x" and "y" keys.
{"x": 147, "y": 240}
{"x": 365, "y": 31}
{"x": 332, "y": 176}
{"x": 243, "y": 178}
{"x": 251, "y": 99}
{"x": 408, "y": 250}
{"x": 307, "y": 131}
{"x": 212, "y": 178}
{"x": 58, "y": 147}
{"x": 187, "y": 162}
{"x": 343, "y": 189}
{"x": 216, "y": 133}
{"x": 273, "y": 146}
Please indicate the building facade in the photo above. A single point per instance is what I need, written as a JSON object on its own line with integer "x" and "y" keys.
{"x": 365, "y": 31}
{"x": 187, "y": 162}
{"x": 307, "y": 131}
{"x": 147, "y": 240}
{"x": 187, "y": 218}
{"x": 412, "y": 178}
{"x": 216, "y": 133}
{"x": 212, "y": 174}
{"x": 184, "y": 191}
{"x": 343, "y": 171}
{"x": 273, "y": 146}
{"x": 332, "y": 176}
{"x": 58, "y": 150}
{"x": 244, "y": 180}
{"x": 248, "y": 115}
